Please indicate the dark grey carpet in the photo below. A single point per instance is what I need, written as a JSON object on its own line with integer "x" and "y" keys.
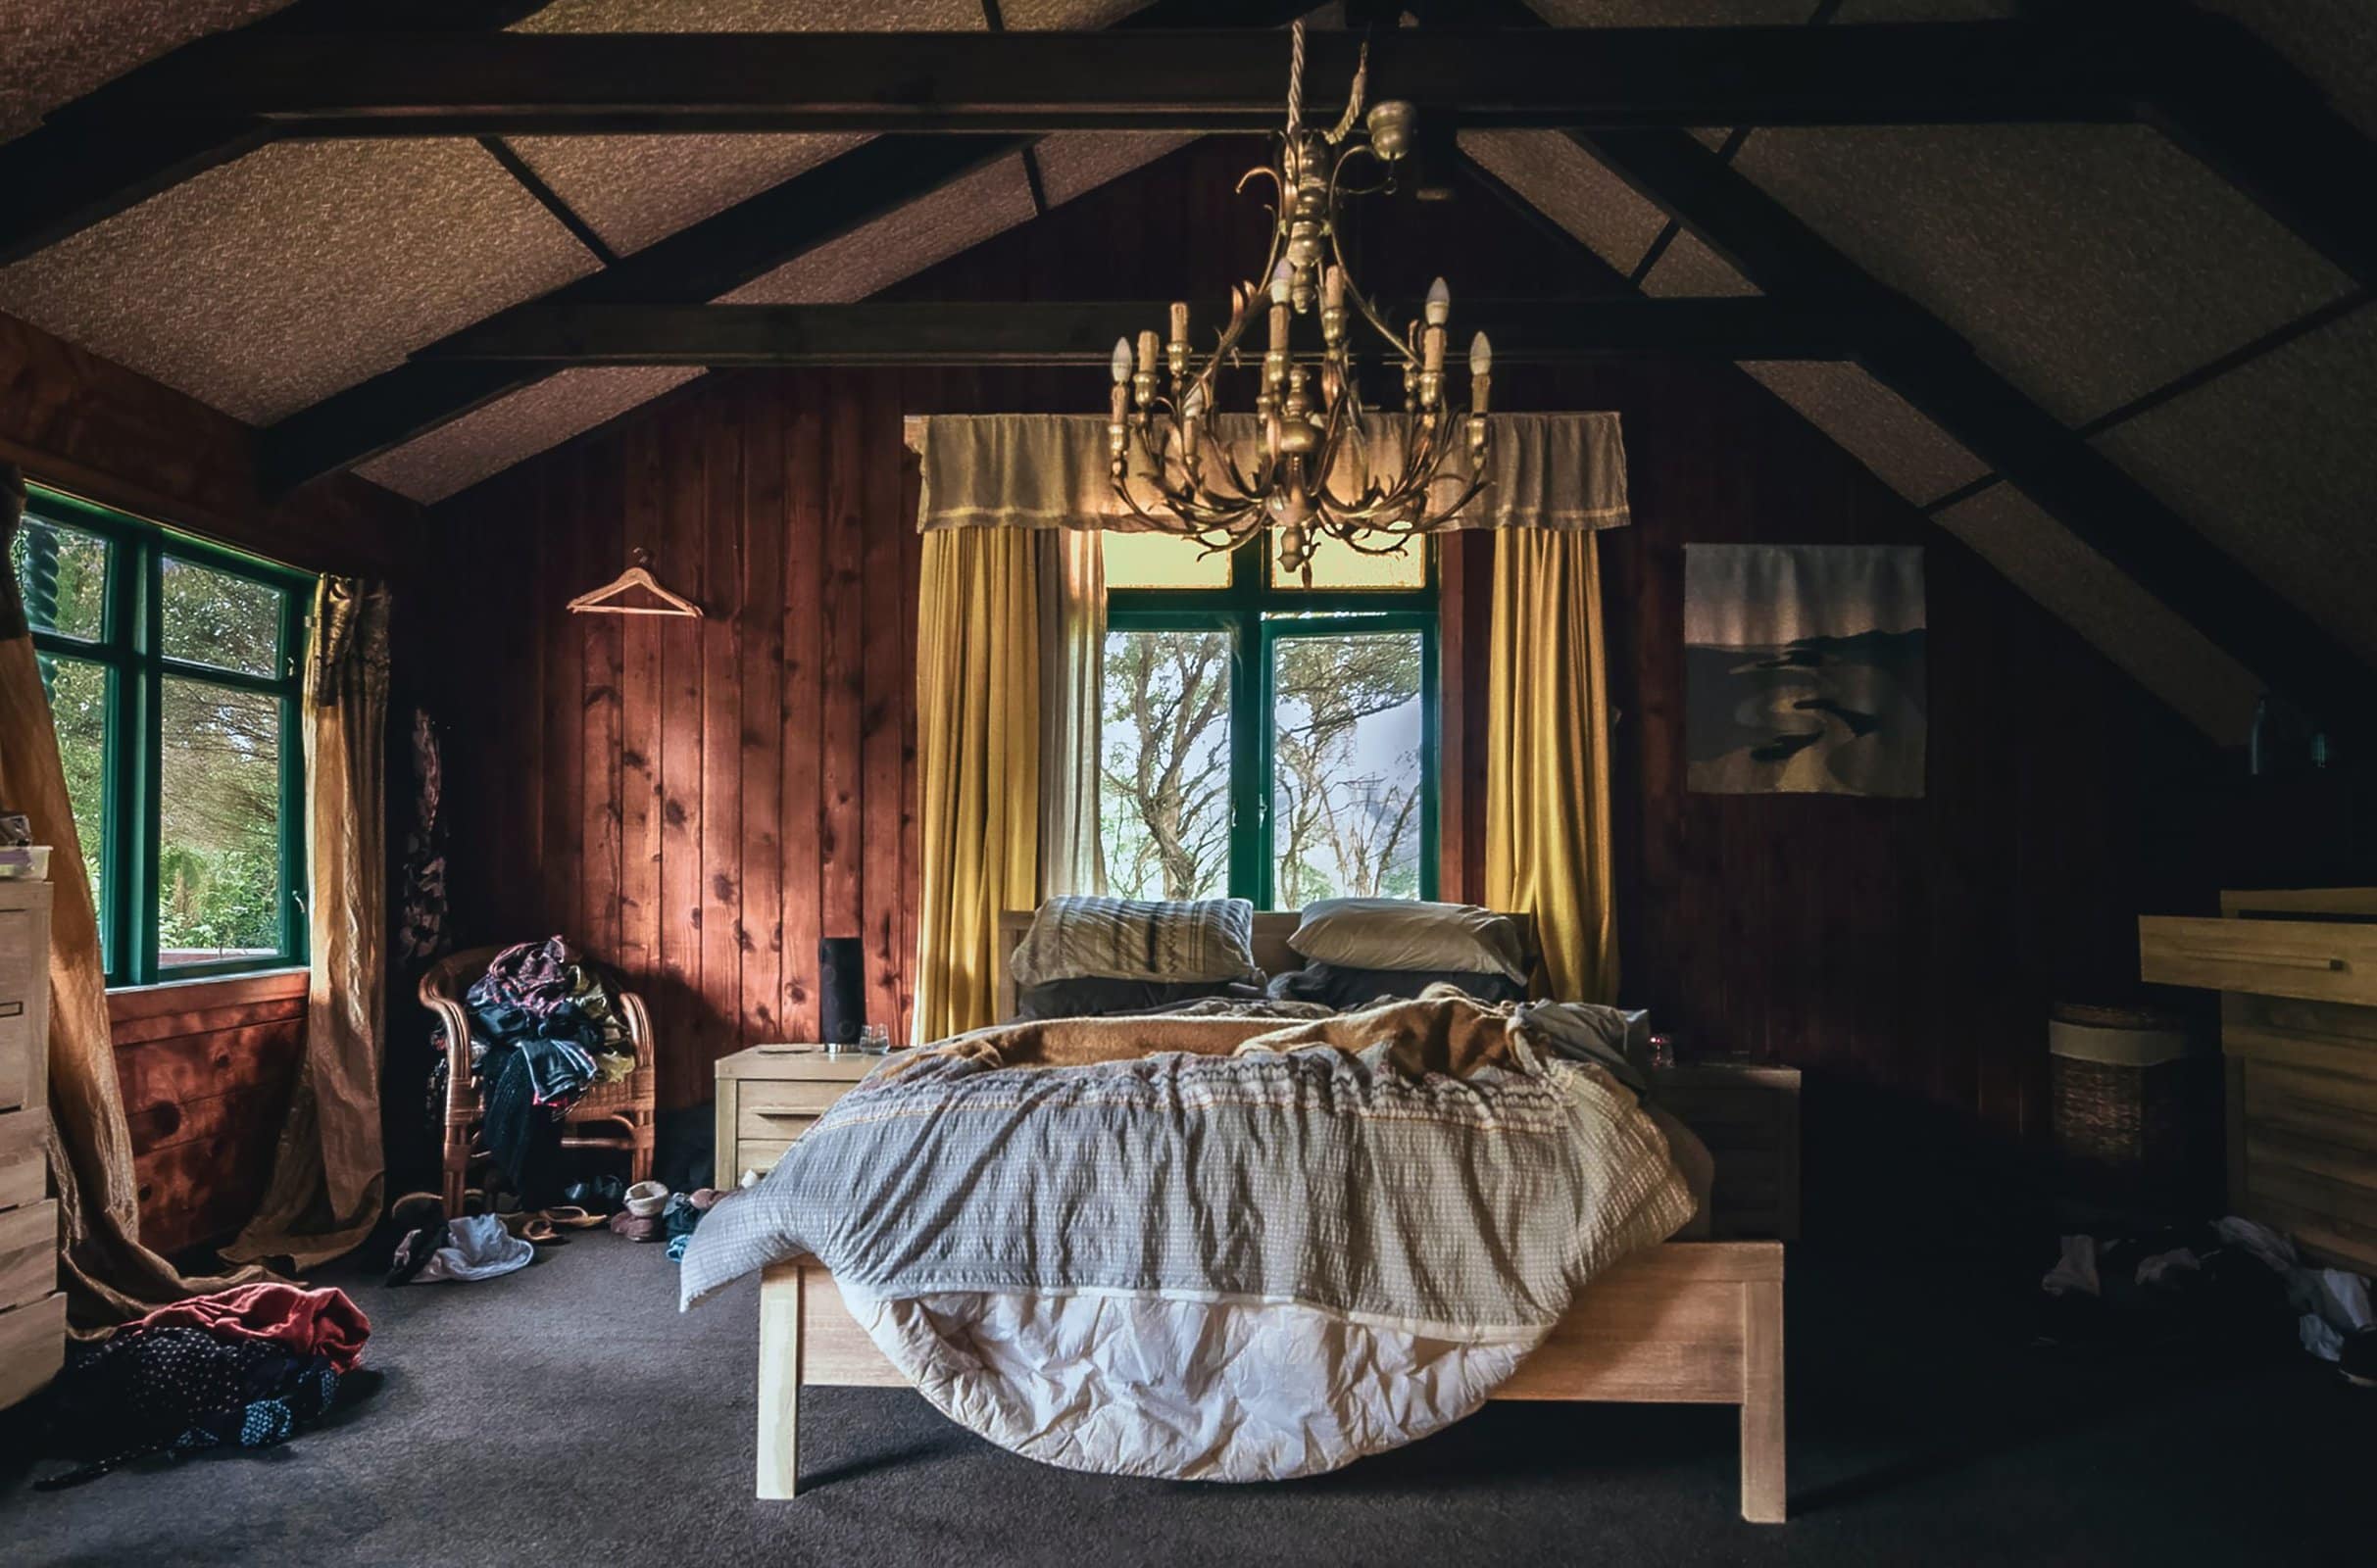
{"x": 568, "y": 1414}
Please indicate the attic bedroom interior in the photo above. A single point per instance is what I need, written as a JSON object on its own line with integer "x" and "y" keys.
{"x": 1009, "y": 781}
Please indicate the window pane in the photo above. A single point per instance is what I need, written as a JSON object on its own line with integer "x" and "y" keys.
{"x": 78, "y": 705}
{"x": 211, "y": 618}
{"x": 1163, "y": 560}
{"x": 1338, "y": 564}
{"x": 1165, "y": 799}
{"x": 219, "y": 834}
{"x": 1346, "y": 792}
{"x": 64, "y": 573}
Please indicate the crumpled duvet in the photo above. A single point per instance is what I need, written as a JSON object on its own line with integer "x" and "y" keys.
{"x": 1216, "y": 1247}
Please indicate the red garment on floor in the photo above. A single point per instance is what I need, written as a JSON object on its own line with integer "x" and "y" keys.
{"x": 321, "y": 1322}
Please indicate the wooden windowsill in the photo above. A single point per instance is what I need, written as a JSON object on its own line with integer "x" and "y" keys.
{"x": 131, "y": 1003}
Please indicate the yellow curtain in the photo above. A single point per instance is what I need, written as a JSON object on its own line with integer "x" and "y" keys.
{"x": 328, "y": 1169}
{"x": 108, "y": 1275}
{"x": 1547, "y": 757}
{"x": 977, "y": 764}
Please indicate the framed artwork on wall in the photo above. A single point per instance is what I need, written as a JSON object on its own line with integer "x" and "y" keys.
{"x": 1804, "y": 669}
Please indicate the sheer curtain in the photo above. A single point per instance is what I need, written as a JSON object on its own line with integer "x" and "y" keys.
{"x": 1072, "y": 680}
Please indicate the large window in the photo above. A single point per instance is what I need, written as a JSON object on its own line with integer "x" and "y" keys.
{"x": 172, "y": 671}
{"x": 1264, "y": 737}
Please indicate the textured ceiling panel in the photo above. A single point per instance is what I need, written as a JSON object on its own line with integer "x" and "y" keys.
{"x": 2106, "y": 606}
{"x": 1688, "y": 267}
{"x": 637, "y": 189}
{"x": 924, "y": 231}
{"x": 1079, "y": 160}
{"x": 2089, "y": 263}
{"x": 1029, "y": 15}
{"x": 1873, "y": 424}
{"x": 489, "y": 440}
{"x": 1569, "y": 186}
{"x": 2334, "y": 42}
{"x": 756, "y": 16}
{"x": 2275, "y": 462}
{"x": 57, "y": 50}
{"x": 271, "y": 282}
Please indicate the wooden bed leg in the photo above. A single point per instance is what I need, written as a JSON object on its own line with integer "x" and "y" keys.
{"x": 1762, "y": 1490}
{"x": 780, "y": 1304}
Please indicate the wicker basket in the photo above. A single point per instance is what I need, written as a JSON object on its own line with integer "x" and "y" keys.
{"x": 2124, "y": 1088}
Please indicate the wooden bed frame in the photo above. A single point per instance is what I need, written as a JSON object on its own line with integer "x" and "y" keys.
{"x": 1684, "y": 1323}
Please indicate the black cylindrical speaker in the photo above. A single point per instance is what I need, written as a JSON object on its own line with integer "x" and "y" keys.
{"x": 841, "y": 991}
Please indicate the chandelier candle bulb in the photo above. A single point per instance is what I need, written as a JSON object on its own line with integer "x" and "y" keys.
{"x": 1440, "y": 303}
{"x": 1283, "y": 281}
{"x": 1122, "y": 362}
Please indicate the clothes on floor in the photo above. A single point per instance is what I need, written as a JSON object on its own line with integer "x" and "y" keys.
{"x": 543, "y": 1031}
{"x": 477, "y": 1246}
{"x": 179, "y": 1386}
{"x": 2234, "y": 1277}
{"x": 324, "y": 1322}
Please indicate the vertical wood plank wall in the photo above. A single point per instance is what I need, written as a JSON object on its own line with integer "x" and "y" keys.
{"x": 702, "y": 803}
{"x": 699, "y": 802}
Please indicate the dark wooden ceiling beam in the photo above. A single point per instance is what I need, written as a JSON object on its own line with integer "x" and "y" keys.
{"x": 694, "y": 266}
{"x": 2237, "y": 105}
{"x": 402, "y": 85}
{"x": 104, "y": 152}
{"x": 1939, "y": 375}
{"x": 1038, "y": 333}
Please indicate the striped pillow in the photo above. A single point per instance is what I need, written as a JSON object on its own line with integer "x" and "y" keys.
{"x": 1074, "y": 938}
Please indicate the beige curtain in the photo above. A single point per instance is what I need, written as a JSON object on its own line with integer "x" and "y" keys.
{"x": 1072, "y": 680}
{"x": 327, "y": 1172}
{"x": 1547, "y": 758}
{"x": 1050, "y": 471}
{"x": 977, "y": 764}
{"x": 108, "y": 1275}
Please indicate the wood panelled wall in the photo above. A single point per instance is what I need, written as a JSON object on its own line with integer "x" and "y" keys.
{"x": 700, "y": 809}
{"x": 205, "y": 1068}
{"x": 699, "y": 802}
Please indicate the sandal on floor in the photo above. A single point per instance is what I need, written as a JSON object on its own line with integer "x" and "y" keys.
{"x": 532, "y": 1228}
{"x": 574, "y": 1217}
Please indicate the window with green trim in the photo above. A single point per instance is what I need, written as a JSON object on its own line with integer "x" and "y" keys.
{"x": 171, "y": 665}
{"x": 1268, "y": 736}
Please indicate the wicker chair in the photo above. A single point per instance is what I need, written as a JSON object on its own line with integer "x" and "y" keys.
{"x": 617, "y": 1115}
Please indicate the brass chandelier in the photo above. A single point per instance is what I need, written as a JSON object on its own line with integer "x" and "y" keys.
{"x": 1308, "y": 468}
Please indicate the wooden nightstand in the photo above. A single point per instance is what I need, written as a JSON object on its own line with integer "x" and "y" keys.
{"x": 770, "y": 1094}
{"x": 1748, "y": 1117}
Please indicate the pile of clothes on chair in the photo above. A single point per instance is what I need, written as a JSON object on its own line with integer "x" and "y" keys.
{"x": 544, "y": 1030}
{"x": 248, "y": 1367}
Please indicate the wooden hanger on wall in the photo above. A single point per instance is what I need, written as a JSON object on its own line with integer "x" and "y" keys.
{"x": 606, "y": 600}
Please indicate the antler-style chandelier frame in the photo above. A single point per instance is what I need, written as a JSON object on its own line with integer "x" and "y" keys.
{"x": 1311, "y": 434}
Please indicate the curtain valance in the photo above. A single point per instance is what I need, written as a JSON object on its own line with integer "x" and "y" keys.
{"x": 1049, "y": 471}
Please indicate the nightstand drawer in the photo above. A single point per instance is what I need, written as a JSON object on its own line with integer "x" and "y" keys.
{"x": 782, "y": 1125}
{"x": 29, "y": 1252}
{"x": 786, "y": 1097}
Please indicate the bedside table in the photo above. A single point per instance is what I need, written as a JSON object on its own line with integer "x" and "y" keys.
{"x": 769, "y": 1094}
{"x": 1748, "y": 1117}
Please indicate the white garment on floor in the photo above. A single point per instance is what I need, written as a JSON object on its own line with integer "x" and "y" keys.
{"x": 477, "y": 1248}
{"x": 2075, "y": 1270}
{"x": 2332, "y": 1303}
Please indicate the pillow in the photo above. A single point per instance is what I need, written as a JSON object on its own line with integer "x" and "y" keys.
{"x": 1406, "y": 934}
{"x": 1345, "y": 989}
{"x": 1088, "y": 996}
{"x": 1072, "y": 938}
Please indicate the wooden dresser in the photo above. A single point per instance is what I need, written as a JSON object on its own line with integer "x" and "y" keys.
{"x": 33, "y": 1311}
{"x": 2296, "y": 972}
{"x": 769, "y": 1094}
{"x": 1748, "y": 1117}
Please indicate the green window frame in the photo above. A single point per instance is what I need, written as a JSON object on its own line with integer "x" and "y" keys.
{"x": 129, "y": 647}
{"x": 1256, "y": 616}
